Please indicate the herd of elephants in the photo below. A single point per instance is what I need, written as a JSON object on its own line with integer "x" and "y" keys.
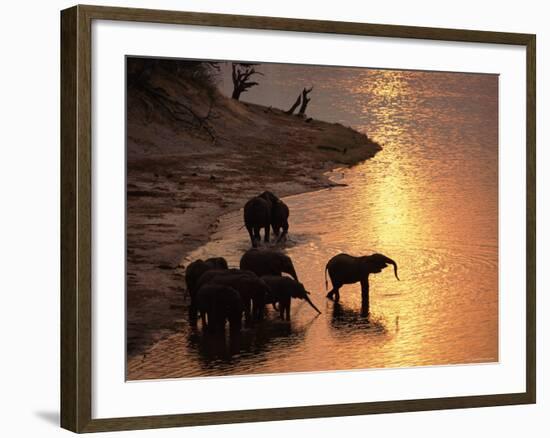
{"x": 222, "y": 295}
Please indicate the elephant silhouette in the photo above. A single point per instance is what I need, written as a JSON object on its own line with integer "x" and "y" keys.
{"x": 346, "y": 269}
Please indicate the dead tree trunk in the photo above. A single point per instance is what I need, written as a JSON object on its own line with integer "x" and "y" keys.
{"x": 305, "y": 100}
{"x": 295, "y": 105}
{"x": 241, "y": 75}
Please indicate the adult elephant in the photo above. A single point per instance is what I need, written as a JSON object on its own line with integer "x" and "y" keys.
{"x": 282, "y": 289}
{"x": 267, "y": 262}
{"x": 279, "y": 215}
{"x": 252, "y": 290}
{"x": 193, "y": 272}
{"x": 346, "y": 269}
{"x": 257, "y": 215}
{"x": 218, "y": 304}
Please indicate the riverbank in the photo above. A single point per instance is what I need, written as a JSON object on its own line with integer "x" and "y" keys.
{"x": 185, "y": 171}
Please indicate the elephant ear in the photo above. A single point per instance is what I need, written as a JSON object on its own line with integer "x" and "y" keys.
{"x": 377, "y": 262}
{"x": 299, "y": 291}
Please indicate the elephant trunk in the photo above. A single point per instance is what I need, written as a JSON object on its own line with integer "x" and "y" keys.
{"x": 312, "y": 305}
{"x": 391, "y": 262}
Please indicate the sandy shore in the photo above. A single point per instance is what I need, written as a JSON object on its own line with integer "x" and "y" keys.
{"x": 180, "y": 181}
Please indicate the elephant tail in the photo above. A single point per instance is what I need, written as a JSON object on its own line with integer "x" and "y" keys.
{"x": 326, "y": 280}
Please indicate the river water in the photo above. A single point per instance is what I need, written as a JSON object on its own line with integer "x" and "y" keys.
{"x": 429, "y": 200}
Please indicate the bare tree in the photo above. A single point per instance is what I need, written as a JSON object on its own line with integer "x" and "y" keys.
{"x": 305, "y": 100}
{"x": 241, "y": 75}
{"x": 301, "y": 99}
{"x": 295, "y": 105}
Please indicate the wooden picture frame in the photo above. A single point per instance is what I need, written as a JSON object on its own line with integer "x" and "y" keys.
{"x": 76, "y": 218}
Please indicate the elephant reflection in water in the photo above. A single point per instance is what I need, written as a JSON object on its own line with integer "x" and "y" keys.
{"x": 345, "y": 319}
{"x": 215, "y": 350}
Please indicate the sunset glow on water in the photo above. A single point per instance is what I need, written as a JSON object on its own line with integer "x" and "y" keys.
{"x": 428, "y": 200}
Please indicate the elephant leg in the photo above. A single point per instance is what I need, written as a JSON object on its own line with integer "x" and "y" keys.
{"x": 216, "y": 320}
{"x": 251, "y": 234}
{"x": 284, "y": 308}
{"x": 246, "y": 309}
{"x": 258, "y": 309}
{"x": 365, "y": 294}
{"x": 334, "y": 294}
{"x": 215, "y": 323}
{"x": 267, "y": 227}
{"x": 285, "y": 227}
{"x": 192, "y": 315}
{"x": 203, "y": 320}
{"x": 284, "y": 233}
{"x": 257, "y": 236}
{"x": 262, "y": 310}
{"x": 234, "y": 324}
{"x": 218, "y": 323}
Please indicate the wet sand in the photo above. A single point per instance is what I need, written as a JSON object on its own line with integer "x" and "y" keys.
{"x": 179, "y": 182}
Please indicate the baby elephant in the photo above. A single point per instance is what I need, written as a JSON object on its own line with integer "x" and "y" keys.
{"x": 282, "y": 289}
{"x": 346, "y": 269}
{"x": 218, "y": 304}
{"x": 252, "y": 290}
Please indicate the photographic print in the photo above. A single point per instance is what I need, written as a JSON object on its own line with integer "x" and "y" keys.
{"x": 286, "y": 218}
